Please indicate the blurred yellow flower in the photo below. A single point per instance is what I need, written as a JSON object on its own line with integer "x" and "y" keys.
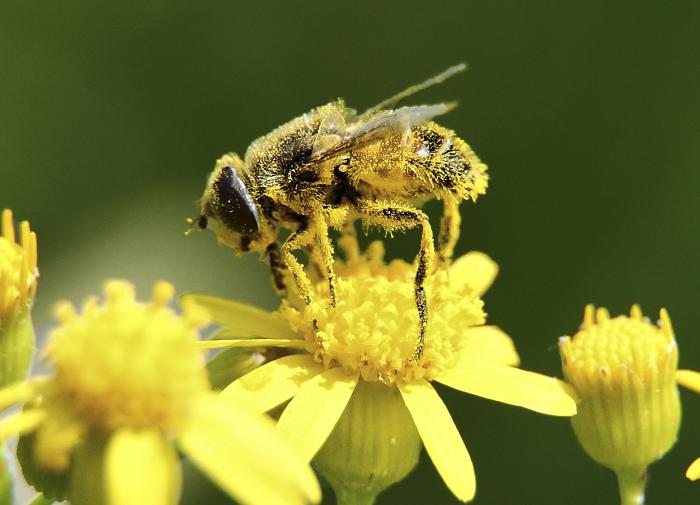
{"x": 623, "y": 370}
{"x": 369, "y": 340}
{"x": 18, "y": 281}
{"x": 129, "y": 380}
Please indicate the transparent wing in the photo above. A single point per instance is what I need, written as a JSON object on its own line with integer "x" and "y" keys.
{"x": 381, "y": 126}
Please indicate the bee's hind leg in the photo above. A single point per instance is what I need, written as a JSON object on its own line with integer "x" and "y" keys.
{"x": 394, "y": 216}
{"x": 449, "y": 231}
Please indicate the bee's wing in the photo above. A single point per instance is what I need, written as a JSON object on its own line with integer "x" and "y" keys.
{"x": 381, "y": 126}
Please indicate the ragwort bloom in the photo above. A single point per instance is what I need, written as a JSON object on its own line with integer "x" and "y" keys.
{"x": 623, "y": 370}
{"x": 359, "y": 403}
{"x": 18, "y": 281}
{"x": 128, "y": 381}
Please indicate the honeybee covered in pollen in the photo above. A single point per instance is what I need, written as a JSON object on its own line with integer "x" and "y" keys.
{"x": 332, "y": 166}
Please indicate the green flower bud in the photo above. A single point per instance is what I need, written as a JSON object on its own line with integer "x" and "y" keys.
{"x": 623, "y": 370}
{"x": 374, "y": 445}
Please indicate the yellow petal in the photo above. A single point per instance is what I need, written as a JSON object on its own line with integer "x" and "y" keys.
{"x": 490, "y": 344}
{"x": 531, "y": 390}
{"x": 273, "y": 383}
{"x": 240, "y": 319}
{"x": 689, "y": 379}
{"x": 441, "y": 438}
{"x": 245, "y": 455}
{"x": 20, "y": 423}
{"x": 693, "y": 472}
{"x": 476, "y": 269}
{"x": 141, "y": 467}
{"x": 313, "y": 413}
{"x": 291, "y": 343}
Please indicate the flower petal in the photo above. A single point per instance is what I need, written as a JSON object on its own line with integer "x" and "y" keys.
{"x": 693, "y": 471}
{"x": 141, "y": 467}
{"x": 490, "y": 344}
{"x": 313, "y": 413}
{"x": 273, "y": 383}
{"x": 476, "y": 269}
{"x": 292, "y": 343}
{"x": 506, "y": 384}
{"x": 441, "y": 438}
{"x": 689, "y": 379}
{"x": 240, "y": 319}
{"x": 20, "y": 423}
{"x": 245, "y": 455}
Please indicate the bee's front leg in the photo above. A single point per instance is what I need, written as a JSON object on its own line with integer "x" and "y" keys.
{"x": 392, "y": 216}
{"x": 449, "y": 231}
{"x": 297, "y": 240}
{"x": 278, "y": 268}
{"x": 326, "y": 255}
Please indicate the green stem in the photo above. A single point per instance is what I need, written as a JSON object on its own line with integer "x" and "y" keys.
{"x": 40, "y": 499}
{"x": 631, "y": 482}
{"x": 346, "y": 496}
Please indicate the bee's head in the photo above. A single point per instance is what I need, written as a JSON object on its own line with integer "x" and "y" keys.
{"x": 228, "y": 208}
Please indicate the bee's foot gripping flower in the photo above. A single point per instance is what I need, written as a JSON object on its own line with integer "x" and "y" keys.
{"x": 18, "y": 281}
{"x": 128, "y": 381}
{"x": 623, "y": 370}
{"x": 353, "y": 362}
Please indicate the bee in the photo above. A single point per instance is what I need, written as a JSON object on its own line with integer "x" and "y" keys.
{"x": 332, "y": 166}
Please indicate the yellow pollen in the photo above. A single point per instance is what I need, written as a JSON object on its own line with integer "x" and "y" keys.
{"x": 125, "y": 363}
{"x": 18, "y": 266}
{"x": 373, "y": 329}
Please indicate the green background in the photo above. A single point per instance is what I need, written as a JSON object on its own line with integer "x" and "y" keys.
{"x": 587, "y": 113}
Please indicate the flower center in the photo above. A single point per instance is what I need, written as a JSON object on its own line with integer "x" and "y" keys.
{"x": 373, "y": 329}
{"x": 126, "y": 363}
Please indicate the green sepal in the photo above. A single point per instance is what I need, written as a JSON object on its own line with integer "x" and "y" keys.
{"x": 16, "y": 346}
{"x": 53, "y": 485}
{"x": 229, "y": 365}
{"x": 7, "y": 495}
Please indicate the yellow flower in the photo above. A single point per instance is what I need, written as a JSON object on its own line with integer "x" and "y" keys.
{"x": 691, "y": 380}
{"x": 363, "y": 350}
{"x": 18, "y": 280}
{"x": 129, "y": 380}
{"x": 623, "y": 370}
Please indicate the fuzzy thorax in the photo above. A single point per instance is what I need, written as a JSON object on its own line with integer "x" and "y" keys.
{"x": 125, "y": 363}
{"x": 373, "y": 329}
{"x": 623, "y": 370}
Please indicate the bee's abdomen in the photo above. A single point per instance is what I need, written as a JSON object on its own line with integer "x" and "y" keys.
{"x": 446, "y": 162}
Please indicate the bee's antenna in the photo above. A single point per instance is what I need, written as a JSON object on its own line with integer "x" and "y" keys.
{"x": 195, "y": 222}
{"x": 441, "y": 77}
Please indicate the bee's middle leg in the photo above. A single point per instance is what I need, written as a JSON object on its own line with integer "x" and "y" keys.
{"x": 278, "y": 268}
{"x": 395, "y": 216}
{"x": 449, "y": 231}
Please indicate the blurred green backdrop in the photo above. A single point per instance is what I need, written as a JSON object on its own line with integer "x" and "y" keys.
{"x": 588, "y": 114}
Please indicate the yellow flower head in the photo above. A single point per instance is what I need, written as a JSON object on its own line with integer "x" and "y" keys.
{"x": 126, "y": 363}
{"x": 623, "y": 370}
{"x": 18, "y": 267}
{"x": 371, "y": 331}
{"x": 128, "y": 380}
{"x": 351, "y": 362}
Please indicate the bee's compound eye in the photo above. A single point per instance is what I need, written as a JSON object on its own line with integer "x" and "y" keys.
{"x": 234, "y": 205}
{"x": 202, "y": 222}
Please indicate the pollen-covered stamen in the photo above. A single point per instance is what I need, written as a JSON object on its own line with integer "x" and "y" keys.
{"x": 372, "y": 328}
{"x": 18, "y": 265}
{"x": 125, "y": 363}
